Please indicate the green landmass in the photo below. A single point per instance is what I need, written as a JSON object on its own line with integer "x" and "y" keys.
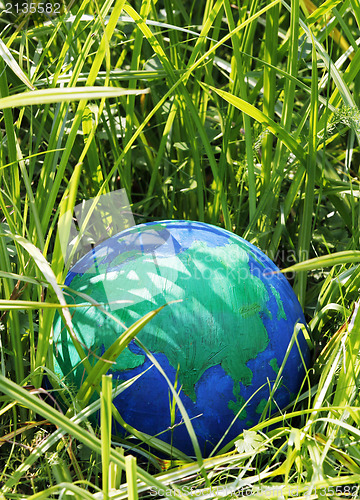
{"x": 201, "y": 331}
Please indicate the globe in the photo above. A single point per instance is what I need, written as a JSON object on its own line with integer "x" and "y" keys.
{"x": 221, "y": 339}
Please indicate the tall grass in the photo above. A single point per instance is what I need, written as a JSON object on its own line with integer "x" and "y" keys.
{"x": 244, "y": 115}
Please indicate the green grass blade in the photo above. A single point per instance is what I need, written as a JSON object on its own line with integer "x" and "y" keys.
{"x": 269, "y": 80}
{"x": 346, "y": 256}
{"x": 50, "y": 96}
{"x": 23, "y": 397}
{"x": 11, "y": 62}
{"x": 131, "y": 477}
{"x": 346, "y": 389}
{"x": 105, "y": 418}
{"x": 239, "y": 72}
{"x": 258, "y": 115}
{"x": 49, "y": 276}
{"x": 55, "y": 437}
{"x": 130, "y": 102}
{"x": 306, "y": 225}
{"x": 111, "y": 354}
{"x": 182, "y": 409}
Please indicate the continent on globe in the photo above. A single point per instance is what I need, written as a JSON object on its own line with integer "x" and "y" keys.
{"x": 223, "y": 338}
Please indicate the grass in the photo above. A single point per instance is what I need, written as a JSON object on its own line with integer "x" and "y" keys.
{"x": 241, "y": 114}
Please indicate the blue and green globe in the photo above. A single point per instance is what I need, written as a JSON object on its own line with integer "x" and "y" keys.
{"x": 221, "y": 339}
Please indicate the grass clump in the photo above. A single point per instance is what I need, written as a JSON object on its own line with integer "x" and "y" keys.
{"x": 244, "y": 115}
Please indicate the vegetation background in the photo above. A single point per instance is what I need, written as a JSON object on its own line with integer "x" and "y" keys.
{"x": 243, "y": 114}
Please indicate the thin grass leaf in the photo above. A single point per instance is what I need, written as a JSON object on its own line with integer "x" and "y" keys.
{"x": 23, "y": 397}
{"x": 131, "y": 477}
{"x": 306, "y": 226}
{"x": 61, "y": 489}
{"x": 48, "y": 274}
{"x": 130, "y": 101}
{"x": 258, "y": 115}
{"x": 341, "y": 86}
{"x": 9, "y": 305}
{"x": 320, "y": 12}
{"x": 269, "y": 81}
{"x": 14, "y": 323}
{"x": 190, "y": 107}
{"x": 11, "y": 62}
{"x": 66, "y": 94}
{"x": 239, "y": 71}
{"x": 110, "y": 355}
{"x": 48, "y": 182}
{"x": 106, "y": 417}
{"x": 57, "y": 435}
{"x": 46, "y": 320}
{"x": 346, "y": 391}
{"x": 344, "y": 257}
{"x": 152, "y": 441}
{"x": 170, "y": 92}
{"x": 183, "y": 411}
